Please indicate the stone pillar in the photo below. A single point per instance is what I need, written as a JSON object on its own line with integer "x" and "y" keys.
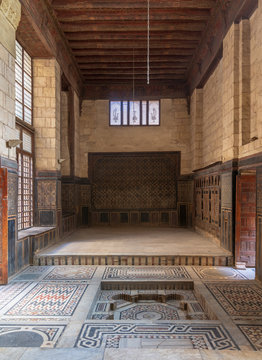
{"x": 244, "y": 82}
{"x": 196, "y": 111}
{"x": 231, "y": 94}
{"x": 10, "y": 13}
{"x": 46, "y": 92}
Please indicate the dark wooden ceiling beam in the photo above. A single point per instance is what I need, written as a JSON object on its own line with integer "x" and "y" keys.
{"x": 68, "y": 16}
{"x": 116, "y": 26}
{"x": 135, "y": 4}
{"x": 131, "y": 35}
{"x": 128, "y": 57}
{"x": 128, "y": 65}
{"x": 129, "y": 71}
{"x": 133, "y": 44}
{"x": 224, "y": 15}
{"x": 43, "y": 23}
{"x": 176, "y": 52}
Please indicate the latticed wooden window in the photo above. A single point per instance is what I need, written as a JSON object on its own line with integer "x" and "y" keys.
{"x": 25, "y": 180}
{"x": 25, "y": 132}
{"x": 23, "y": 85}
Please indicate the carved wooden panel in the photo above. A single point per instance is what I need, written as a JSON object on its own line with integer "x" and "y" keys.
{"x": 208, "y": 203}
{"x": 246, "y": 219}
{"x": 134, "y": 180}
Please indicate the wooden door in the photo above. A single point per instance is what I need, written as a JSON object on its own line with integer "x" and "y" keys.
{"x": 3, "y": 228}
{"x": 245, "y": 245}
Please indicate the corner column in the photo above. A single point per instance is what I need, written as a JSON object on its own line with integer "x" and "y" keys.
{"x": 47, "y": 93}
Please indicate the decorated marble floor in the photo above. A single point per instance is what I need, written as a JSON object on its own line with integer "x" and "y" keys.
{"x": 118, "y": 312}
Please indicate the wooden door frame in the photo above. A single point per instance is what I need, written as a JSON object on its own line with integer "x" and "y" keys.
{"x": 238, "y": 215}
{"x": 4, "y": 230}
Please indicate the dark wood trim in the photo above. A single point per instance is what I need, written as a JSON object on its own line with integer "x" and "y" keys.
{"x": 45, "y": 25}
{"x": 176, "y": 90}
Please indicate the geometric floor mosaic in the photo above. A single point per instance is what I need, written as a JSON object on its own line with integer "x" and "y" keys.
{"x": 238, "y": 300}
{"x": 49, "y": 300}
{"x": 30, "y": 336}
{"x": 254, "y": 335}
{"x": 149, "y": 312}
{"x": 145, "y": 273}
{"x": 10, "y": 291}
{"x": 218, "y": 273}
{"x": 196, "y": 336}
{"x": 123, "y": 307}
{"x": 76, "y": 272}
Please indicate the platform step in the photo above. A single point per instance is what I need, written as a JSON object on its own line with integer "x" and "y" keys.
{"x": 128, "y": 260}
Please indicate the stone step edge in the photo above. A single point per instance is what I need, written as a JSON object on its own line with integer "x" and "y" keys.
{"x": 49, "y": 260}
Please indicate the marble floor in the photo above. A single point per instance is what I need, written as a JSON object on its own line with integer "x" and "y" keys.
{"x": 127, "y": 312}
{"x": 135, "y": 241}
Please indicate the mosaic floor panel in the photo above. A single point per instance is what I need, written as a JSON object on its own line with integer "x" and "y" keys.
{"x": 10, "y": 292}
{"x": 254, "y": 335}
{"x": 49, "y": 300}
{"x": 238, "y": 300}
{"x": 76, "y": 272}
{"x": 146, "y": 273}
{"x": 195, "y": 336}
{"x": 143, "y": 307}
{"x": 218, "y": 273}
{"x": 30, "y": 336}
{"x": 149, "y": 312}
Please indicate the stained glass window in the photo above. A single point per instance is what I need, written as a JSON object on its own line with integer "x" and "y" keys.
{"x": 134, "y": 113}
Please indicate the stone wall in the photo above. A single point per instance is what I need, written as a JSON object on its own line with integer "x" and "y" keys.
{"x": 47, "y": 96}
{"x": 173, "y": 134}
{"x": 212, "y": 118}
{"x": 46, "y": 93}
{"x": 65, "y": 166}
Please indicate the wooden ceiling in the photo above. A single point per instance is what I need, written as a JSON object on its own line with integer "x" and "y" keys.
{"x": 106, "y": 40}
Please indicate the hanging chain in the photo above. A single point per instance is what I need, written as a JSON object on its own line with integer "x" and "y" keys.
{"x": 133, "y": 77}
{"x": 148, "y": 42}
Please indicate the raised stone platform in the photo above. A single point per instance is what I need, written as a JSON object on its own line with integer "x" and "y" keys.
{"x": 165, "y": 260}
{"x": 135, "y": 246}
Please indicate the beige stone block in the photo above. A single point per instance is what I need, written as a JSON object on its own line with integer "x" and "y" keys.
{"x": 40, "y": 81}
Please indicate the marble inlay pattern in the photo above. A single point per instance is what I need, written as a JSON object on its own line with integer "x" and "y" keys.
{"x": 30, "y": 336}
{"x": 10, "y": 291}
{"x": 146, "y": 273}
{"x": 196, "y": 336}
{"x": 218, "y": 273}
{"x": 76, "y": 272}
{"x": 254, "y": 334}
{"x": 238, "y": 299}
{"x": 49, "y": 300}
{"x": 149, "y": 312}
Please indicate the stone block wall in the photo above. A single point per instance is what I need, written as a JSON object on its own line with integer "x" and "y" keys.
{"x": 46, "y": 93}
{"x": 65, "y": 166}
{"x": 212, "y": 118}
{"x": 173, "y": 134}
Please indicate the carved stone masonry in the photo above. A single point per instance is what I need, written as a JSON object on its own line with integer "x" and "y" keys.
{"x": 12, "y": 11}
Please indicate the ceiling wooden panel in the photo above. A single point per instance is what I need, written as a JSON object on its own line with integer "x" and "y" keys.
{"x": 113, "y": 35}
{"x": 105, "y": 41}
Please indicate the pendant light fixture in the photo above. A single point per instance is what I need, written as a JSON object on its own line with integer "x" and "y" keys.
{"x": 148, "y": 42}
